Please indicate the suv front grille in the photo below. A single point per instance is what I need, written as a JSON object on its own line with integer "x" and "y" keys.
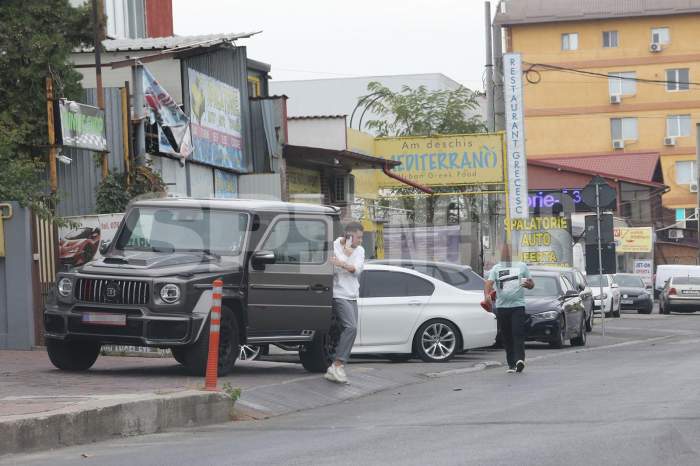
{"x": 103, "y": 290}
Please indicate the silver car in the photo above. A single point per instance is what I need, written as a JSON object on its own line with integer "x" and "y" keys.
{"x": 680, "y": 294}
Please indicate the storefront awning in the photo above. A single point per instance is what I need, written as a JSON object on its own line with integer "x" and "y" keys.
{"x": 340, "y": 159}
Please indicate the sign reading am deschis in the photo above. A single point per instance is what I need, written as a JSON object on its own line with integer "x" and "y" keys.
{"x": 444, "y": 160}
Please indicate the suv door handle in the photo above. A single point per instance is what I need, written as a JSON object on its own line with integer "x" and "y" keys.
{"x": 319, "y": 288}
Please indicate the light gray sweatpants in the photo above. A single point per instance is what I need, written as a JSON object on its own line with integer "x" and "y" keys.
{"x": 345, "y": 312}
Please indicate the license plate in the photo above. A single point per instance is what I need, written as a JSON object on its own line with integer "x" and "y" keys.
{"x": 627, "y": 301}
{"x": 104, "y": 318}
{"x": 690, "y": 291}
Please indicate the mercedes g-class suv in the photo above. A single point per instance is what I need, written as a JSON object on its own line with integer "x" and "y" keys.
{"x": 153, "y": 287}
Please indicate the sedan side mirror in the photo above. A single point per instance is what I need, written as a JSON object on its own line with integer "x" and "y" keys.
{"x": 262, "y": 258}
{"x": 614, "y": 285}
{"x": 570, "y": 294}
{"x": 104, "y": 247}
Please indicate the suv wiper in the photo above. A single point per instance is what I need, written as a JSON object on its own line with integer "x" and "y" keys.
{"x": 205, "y": 251}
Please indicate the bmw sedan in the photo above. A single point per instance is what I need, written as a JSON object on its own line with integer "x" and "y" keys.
{"x": 555, "y": 311}
{"x": 404, "y": 313}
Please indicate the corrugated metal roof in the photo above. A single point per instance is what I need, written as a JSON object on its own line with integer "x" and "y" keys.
{"x": 640, "y": 166}
{"x": 167, "y": 43}
{"x": 316, "y": 117}
{"x": 514, "y": 12}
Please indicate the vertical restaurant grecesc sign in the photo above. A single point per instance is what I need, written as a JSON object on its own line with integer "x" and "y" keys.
{"x": 515, "y": 136}
{"x": 459, "y": 159}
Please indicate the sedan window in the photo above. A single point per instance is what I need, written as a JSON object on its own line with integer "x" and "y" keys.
{"x": 685, "y": 280}
{"x": 595, "y": 280}
{"x": 386, "y": 284}
{"x": 629, "y": 281}
{"x": 461, "y": 279}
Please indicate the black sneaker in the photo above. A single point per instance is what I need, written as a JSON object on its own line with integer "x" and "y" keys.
{"x": 520, "y": 366}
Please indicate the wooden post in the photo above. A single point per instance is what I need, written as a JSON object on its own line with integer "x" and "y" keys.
{"x": 99, "y": 33}
{"x": 53, "y": 170}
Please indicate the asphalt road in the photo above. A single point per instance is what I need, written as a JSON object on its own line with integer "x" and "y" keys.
{"x": 630, "y": 402}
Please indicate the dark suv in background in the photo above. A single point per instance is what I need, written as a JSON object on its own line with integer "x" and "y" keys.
{"x": 153, "y": 287}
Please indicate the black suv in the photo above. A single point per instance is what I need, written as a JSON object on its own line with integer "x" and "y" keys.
{"x": 154, "y": 285}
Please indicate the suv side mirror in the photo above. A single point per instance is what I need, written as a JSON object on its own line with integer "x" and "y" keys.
{"x": 261, "y": 258}
{"x": 104, "y": 247}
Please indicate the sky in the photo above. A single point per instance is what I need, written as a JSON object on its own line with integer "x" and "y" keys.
{"x": 313, "y": 39}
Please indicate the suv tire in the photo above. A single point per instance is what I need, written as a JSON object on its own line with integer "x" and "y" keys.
{"x": 194, "y": 357}
{"x": 316, "y": 355}
{"x": 72, "y": 356}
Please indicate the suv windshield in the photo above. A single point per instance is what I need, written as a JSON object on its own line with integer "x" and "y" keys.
{"x": 169, "y": 229}
{"x": 595, "y": 280}
{"x": 629, "y": 281}
{"x": 544, "y": 287}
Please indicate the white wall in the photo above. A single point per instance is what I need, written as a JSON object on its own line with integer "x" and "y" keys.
{"x": 173, "y": 174}
{"x": 325, "y": 133}
{"x": 201, "y": 181}
{"x": 339, "y": 96}
{"x": 166, "y": 71}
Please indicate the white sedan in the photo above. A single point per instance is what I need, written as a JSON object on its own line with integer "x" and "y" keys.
{"x": 403, "y": 313}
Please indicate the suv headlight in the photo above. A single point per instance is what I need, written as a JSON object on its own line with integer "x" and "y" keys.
{"x": 549, "y": 315}
{"x": 65, "y": 287}
{"x": 170, "y": 293}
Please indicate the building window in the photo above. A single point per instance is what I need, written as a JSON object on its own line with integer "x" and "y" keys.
{"x": 678, "y": 126}
{"x": 677, "y": 79}
{"x": 569, "y": 41}
{"x": 660, "y": 36}
{"x": 622, "y": 83}
{"x": 623, "y": 129}
{"x": 685, "y": 172}
{"x": 610, "y": 39}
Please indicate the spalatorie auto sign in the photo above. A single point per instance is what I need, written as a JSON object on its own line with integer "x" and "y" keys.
{"x": 515, "y": 136}
{"x": 444, "y": 160}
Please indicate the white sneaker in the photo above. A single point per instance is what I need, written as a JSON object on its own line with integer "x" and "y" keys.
{"x": 331, "y": 374}
{"x": 511, "y": 370}
{"x": 340, "y": 374}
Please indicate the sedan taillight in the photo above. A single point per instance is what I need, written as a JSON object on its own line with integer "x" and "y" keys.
{"x": 672, "y": 291}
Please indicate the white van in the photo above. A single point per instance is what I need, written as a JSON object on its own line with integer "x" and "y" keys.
{"x": 664, "y": 272}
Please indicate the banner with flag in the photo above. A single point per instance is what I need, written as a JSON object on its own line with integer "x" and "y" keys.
{"x": 173, "y": 125}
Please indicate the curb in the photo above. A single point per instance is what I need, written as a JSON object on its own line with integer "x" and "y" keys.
{"x": 476, "y": 368}
{"x": 113, "y": 416}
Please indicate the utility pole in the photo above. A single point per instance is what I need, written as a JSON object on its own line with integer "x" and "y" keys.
{"x": 53, "y": 169}
{"x": 499, "y": 102}
{"x": 600, "y": 259}
{"x": 490, "y": 122}
{"x": 97, "y": 20}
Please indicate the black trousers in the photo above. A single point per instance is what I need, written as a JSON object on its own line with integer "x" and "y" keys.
{"x": 511, "y": 325}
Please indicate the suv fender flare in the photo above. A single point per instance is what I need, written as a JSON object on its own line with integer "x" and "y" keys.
{"x": 202, "y": 310}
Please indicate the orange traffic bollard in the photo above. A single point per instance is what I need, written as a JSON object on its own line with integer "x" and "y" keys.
{"x": 210, "y": 378}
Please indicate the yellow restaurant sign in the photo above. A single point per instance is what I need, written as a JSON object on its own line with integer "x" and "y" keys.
{"x": 633, "y": 239}
{"x": 444, "y": 160}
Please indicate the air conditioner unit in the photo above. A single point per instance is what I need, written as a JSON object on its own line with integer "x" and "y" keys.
{"x": 655, "y": 47}
{"x": 669, "y": 141}
{"x": 694, "y": 187}
{"x": 616, "y": 99}
{"x": 344, "y": 189}
{"x": 618, "y": 144}
{"x": 675, "y": 234}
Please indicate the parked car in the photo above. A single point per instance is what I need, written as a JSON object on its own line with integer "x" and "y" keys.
{"x": 79, "y": 247}
{"x": 611, "y": 295}
{"x": 580, "y": 283}
{"x": 666, "y": 271}
{"x": 153, "y": 287}
{"x": 460, "y": 276}
{"x": 680, "y": 294}
{"x": 555, "y": 311}
{"x": 634, "y": 294}
{"x": 404, "y": 313}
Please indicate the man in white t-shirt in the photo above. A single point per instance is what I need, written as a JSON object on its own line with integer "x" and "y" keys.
{"x": 348, "y": 259}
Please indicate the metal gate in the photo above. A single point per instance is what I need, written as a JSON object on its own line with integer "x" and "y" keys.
{"x": 45, "y": 249}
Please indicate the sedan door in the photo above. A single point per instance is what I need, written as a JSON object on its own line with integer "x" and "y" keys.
{"x": 390, "y": 304}
{"x": 573, "y": 309}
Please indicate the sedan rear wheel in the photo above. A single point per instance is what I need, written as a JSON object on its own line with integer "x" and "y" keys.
{"x": 249, "y": 352}
{"x": 437, "y": 341}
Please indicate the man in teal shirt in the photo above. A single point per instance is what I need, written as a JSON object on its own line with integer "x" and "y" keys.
{"x": 509, "y": 279}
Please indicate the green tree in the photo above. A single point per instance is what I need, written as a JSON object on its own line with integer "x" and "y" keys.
{"x": 36, "y": 39}
{"x": 421, "y": 112}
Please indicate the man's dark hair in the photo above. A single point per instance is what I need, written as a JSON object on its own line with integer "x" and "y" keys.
{"x": 353, "y": 227}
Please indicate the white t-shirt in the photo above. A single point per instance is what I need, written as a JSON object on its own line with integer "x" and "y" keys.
{"x": 346, "y": 285}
